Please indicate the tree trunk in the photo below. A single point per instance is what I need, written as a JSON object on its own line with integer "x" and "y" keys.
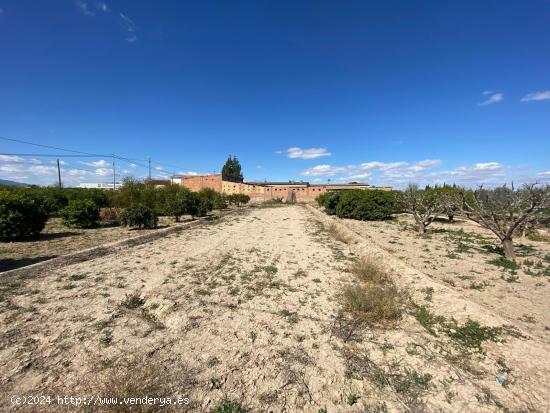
{"x": 508, "y": 247}
{"x": 421, "y": 228}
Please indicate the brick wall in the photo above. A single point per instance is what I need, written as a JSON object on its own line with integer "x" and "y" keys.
{"x": 196, "y": 183}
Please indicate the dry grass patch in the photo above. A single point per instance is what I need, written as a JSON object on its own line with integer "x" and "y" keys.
{"x": 369, "y": 271}
{"x": 335, "y": 233}
{"x": 373, "y": 303}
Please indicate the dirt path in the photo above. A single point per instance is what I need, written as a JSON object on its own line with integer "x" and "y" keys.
{"x": 242, "y": 310}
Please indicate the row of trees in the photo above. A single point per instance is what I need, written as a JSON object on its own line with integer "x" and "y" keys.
{"x": 505, "y": 211}
{"x": 24, "y": 211}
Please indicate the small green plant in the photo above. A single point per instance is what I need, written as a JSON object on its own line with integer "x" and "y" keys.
{"x": 213, "y": 361}
{"x": 253, "y": 336}
{"x": 428, "y": 320}
{"x": 132, "y": 301}
{"x": 228, "y": 406}
{"x": 139, "y": 216}
{"x": 352, "y": 399}
{"x": 504, "y": 263}
{"x": 290, "y": 316}
{"x": 428, "y": 293}
{"x": 106, "y": 338}
{"x": 271, "y": 270}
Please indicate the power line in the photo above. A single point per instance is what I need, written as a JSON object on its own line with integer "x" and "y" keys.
{"x": 88, "y": 154}
{"x": 47, "y": 146}
{"x": 50, "y": 155}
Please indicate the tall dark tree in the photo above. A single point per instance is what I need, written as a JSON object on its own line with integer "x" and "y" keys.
{"x": 232, "y": 169}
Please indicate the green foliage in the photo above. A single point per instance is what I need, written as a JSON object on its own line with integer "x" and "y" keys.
{"x": 228, "y": 406}
{"x": 135, "y": 192}
{"x": 366, "y": 205}
{"x": 80, "y": 213}
{"x": 469, "y": 335}
{"x": 174, "y": 200}
{"x": 331, "y": 200}
{"x": 52, "y": 199}
{"x": 238, "y": 199}
{"x": 214, "y": 198}
{"x": 504, "y": 263}
{"x": 20, "y": 217}
{"x": 140, "y": 216}
{"x": 232, "y": 170}
{"x": 320, "y": 199}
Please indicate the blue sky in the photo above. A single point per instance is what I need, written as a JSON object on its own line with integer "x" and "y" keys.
{"x": 385, "y": 92}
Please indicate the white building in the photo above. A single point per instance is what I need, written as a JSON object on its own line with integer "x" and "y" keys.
{"x": 100, "y": 185}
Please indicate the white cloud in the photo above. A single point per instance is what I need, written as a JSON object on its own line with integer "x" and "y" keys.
{"x": 11, "y": 158}
{"x": 133, "y": 165}
{"x": 98, "y": 164}
{"x": 536, "y": 96}
{"x": 489, "y": 166}
{"x": 129, "y": 26}
{"x": 103, "y": 171}
{"x": 84, "y": 9}
{"x": 359, "y": 176}
{"x": 429, "y": 171}
{"x": 103, "y": 7}
{"x": 493, "y": 98}
{"x": 324, "y": 170}
{"x": 311, "y": 153}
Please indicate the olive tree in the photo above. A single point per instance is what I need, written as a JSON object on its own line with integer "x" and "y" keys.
{"x": 504, "y": 209}
{"x": 422, "y": 204}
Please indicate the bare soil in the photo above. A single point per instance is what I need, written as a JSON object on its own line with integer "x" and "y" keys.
{"x": 468, "y": 258}
{"x": 248, "y": 310}
{"x": 56, "y": 239}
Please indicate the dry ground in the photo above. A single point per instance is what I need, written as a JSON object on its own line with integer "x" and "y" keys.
{"x": 463, "y": 255}
{"x": 56, "y": 239}
{"x": 248, "y": 310}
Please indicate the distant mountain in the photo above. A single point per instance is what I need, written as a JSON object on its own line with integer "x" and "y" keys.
{"x": 12, "y": 183}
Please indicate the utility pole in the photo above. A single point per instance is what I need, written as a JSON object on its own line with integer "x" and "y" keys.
{"x": 58, "y": 174}
{"x": 149, "y": 168}
{"x": 114, "y": 173}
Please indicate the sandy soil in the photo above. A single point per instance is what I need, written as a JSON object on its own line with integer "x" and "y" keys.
{"x": 56, "y": 239}
{"x": 248, "y": 310}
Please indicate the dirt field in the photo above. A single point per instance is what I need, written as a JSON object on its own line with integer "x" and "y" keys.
{"x": 248, "y": 310}
{"x": 462, "y": 255}
{"x": 56, "y": 239}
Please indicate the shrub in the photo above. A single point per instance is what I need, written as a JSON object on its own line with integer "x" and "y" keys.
{"x": 139, "y": 216}
{"x": 320, "y": 199}
{"x": 238, "y": 199}
{"x": 369, "y": 205}
{"x": 373, "y": 303}
{"x": 81, "y": 213}
{"x": 173, "y": 200}
{"x": 20, "y": 217}
{"x": 109, "y": 215}
{"x": 331, "y": 200}
{"x": 212, "y": 198}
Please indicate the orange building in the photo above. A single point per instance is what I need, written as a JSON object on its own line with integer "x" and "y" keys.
{"x": 304, "y": 192}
